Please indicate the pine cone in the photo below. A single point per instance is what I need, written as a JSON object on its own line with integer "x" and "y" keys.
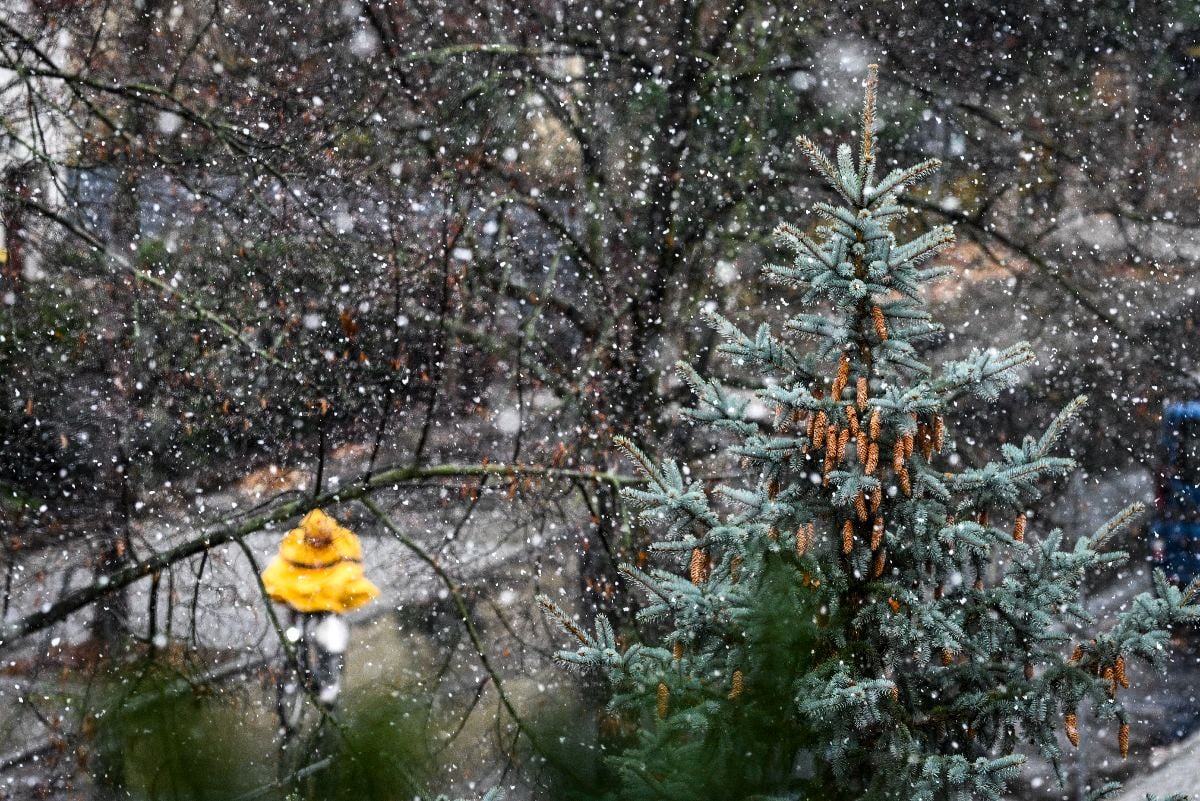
{"x": 876, "y": 424}
{"x": 861, "y": 394}
{"x": 1071, "y": 724}
{"x": 736, "y": 685}
{"x": 877, "y": 533}
{"x": 860, "y": 508}
{"x": 818, "y": 431}
{"x": 1123, "y": 739}
{"x": 1119, "y": 670}
{"x": 847, "y": 537}
{"x": 781, "y": 419}
{"x": 830, "y": 451}
{"x": 1019, "y": 528}
{"x": 663, "y": 700}
{"x": 610, "y": 724}
{"x": 880, "y": 562}
{"x": 843, "y": 376}
{"x": 804, "y": 536}
{"x": 880, "y": 322}
{"x": 698, "y": 569}
{"x": 677, "y": 650}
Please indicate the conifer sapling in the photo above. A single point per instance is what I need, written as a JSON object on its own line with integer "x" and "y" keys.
{"x": 855, "y": 618}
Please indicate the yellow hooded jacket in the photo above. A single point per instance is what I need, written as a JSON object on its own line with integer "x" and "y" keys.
{"x": 319, "y": 568}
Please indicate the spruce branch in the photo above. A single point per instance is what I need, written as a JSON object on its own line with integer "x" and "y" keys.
{"x": 1059, "y": 425}
{"x": 922, "y": 248}
{"x": 563, "y": 620}
{"x": 900, "y": 179}
{"x": 1117, "y": 524}
{"x": 644, "y": 465}
{"x": 824, "y": 168}
{"x": 798, "y": 242}
{"x": 716, "y": 407}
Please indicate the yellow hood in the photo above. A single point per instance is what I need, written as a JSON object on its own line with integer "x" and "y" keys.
{"x": 319, "y": 568}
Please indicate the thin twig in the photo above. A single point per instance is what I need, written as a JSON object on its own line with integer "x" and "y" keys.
{"x": 226, "y": 531}
{"x": 472, "y": 632}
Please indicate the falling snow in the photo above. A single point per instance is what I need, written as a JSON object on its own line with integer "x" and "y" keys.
{"x": 420, "y": 266}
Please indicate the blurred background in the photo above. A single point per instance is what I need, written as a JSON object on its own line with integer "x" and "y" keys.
{"x": 433, "y": 255}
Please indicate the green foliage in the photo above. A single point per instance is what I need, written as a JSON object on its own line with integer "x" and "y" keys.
{"x": 161, "y": 738}
{"x": 855, "y": 619}
{"x": 708, "y": 745}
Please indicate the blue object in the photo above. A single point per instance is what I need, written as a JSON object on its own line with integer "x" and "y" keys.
{"x": 1176, "y": 525}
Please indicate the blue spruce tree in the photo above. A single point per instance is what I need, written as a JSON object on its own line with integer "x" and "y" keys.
{"x": 855, "y": 619}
